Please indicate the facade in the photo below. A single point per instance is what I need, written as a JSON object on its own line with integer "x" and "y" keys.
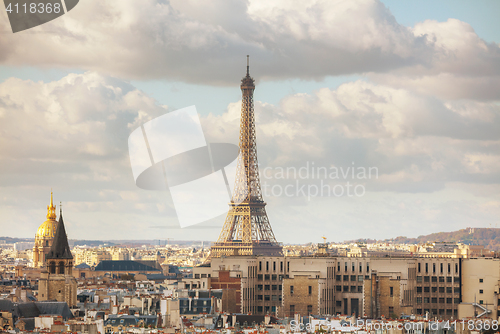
{"x": 437, "y": 287}
{"x": 480, "y": 288}
{"x": 45, "y": 235}
{"x": 374, "y": 287}
{"x": 57, "y": 281}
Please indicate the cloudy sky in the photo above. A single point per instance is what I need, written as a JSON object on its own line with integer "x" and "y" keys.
{"x": 409, "y": 89}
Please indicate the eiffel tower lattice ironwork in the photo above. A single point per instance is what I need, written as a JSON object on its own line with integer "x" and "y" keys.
{"x": 247, "y": 230}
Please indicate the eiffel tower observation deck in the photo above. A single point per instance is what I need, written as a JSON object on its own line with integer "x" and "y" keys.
{"x": 247, "y": 230}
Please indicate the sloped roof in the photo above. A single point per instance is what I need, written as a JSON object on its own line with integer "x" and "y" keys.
{"x": 6, "y": 305}
{"x": 60, "y": 247}
{"x": 26, "y": 310}
{"x": 55, "y": 308}
{"x": 82, "y": 265}
{"x": 123, "y": 265}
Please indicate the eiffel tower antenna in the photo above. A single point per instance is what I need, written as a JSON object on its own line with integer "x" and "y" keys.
{"x": 247, "y": 230}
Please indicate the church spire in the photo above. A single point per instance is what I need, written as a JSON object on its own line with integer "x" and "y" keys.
{"x": 60, "y": 246}
{"x": 51, "y": 209}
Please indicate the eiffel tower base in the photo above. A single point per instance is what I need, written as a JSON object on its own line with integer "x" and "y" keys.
{"x": 234, "y": 248}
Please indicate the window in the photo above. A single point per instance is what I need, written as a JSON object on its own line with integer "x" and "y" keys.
{"x": 426, "y": 289}
{"x": 267, "y": 287}
{"x": 360, "y": 288}
{"x": 456, "y": 300}
{"x": 267, "y": 265}
{"x": 434, "y": 289}
{"x": 441, "y": 279}
{"x": 448, "y": 290}
{"x": 61, "y": 267}
{"x": 426, "y": 268}
{"x": 281, "y": 266}
{"x": 346, "y": 278}
{"x": 419, "y": 279}
{"x": 267, "y": 297}
{"x": 441, "y": 289}
{"x": 353, "y": 269}
{"x": 274, "y": 277}
{"x": 360, "y": 278}
{"x": 448, "y": 300}
{"x": 259, "y": 277}
{"x": 338, "y": 278}
{"x": 433, "y": 267}
{"x": 441, "y": 268}
{"x": 480, "y": 291}
{"x": 426, "y": 279}
{"x": 338, "y": 266}
{"x": 309, "y": 309}
{"x": 310, "y": 290}
{"x": 267, "y": 277}
{"x": 338, "y": 303}
{"x": 345, "y": 266}
{"x": 456, "y": 290}
{"x": 441, "y": 300}
{"x": 480, "y": 280}
{"x": 360, "y": 268}
{"x": 353, "y": 278}
{"x": 391, "y": 292}
{"x": 449, "y": 268}
{"x": 260, "y": 265}
{"x": 434, "y": 300}
{"x": 426, "y": 300}
{"x": 353, "y": 288}
{"x": 418, "y": 267}
{"x": 456, "y": 268}
{"x": 434, "y": 279}
{"x": 338, "y": 288}
{"x": 292, "y": 309}
{"x": 259, "y": 297}
{"x": 274, "y": 265}
{"x": 480, "y": 301}
{"x": 448, "y": 279}
{"x": 291, "y": 291}
{"x": 274, "y": 287}
{"x": 419, "y": 289}
{"x": 346, "y": 288}
{"x": 419, "y": 300}
{"x": 391, "y": 310}
{"x": 367, "y": 267}
{"x": 259, "y": 287}
{"x": 456, "y": 279}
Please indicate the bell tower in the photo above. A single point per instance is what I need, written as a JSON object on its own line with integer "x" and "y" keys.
{"x": 57, "y": 281}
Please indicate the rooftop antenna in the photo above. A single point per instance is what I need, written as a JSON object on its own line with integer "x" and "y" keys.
{"x": 248, "y": 65}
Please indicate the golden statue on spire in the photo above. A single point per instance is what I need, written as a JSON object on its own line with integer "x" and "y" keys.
{"x": 51, "y": 209}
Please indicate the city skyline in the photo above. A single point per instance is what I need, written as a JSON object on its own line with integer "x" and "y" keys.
{"x": 344, "y": 88}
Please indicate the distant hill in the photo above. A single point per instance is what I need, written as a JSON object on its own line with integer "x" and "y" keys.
{"x": 488, "y": 237}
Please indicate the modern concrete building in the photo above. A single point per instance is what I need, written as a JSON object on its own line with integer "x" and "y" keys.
{"x": 480, "y": 288}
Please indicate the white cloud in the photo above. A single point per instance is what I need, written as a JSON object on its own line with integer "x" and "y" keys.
{"x": 206, "y": 43}
{"x": 71, "y": 134}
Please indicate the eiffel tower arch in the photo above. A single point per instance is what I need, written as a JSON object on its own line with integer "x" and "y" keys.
{"x": 247, "y": 230}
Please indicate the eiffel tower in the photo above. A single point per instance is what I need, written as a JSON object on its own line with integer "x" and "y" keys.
{"x": 246, "y": 230}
